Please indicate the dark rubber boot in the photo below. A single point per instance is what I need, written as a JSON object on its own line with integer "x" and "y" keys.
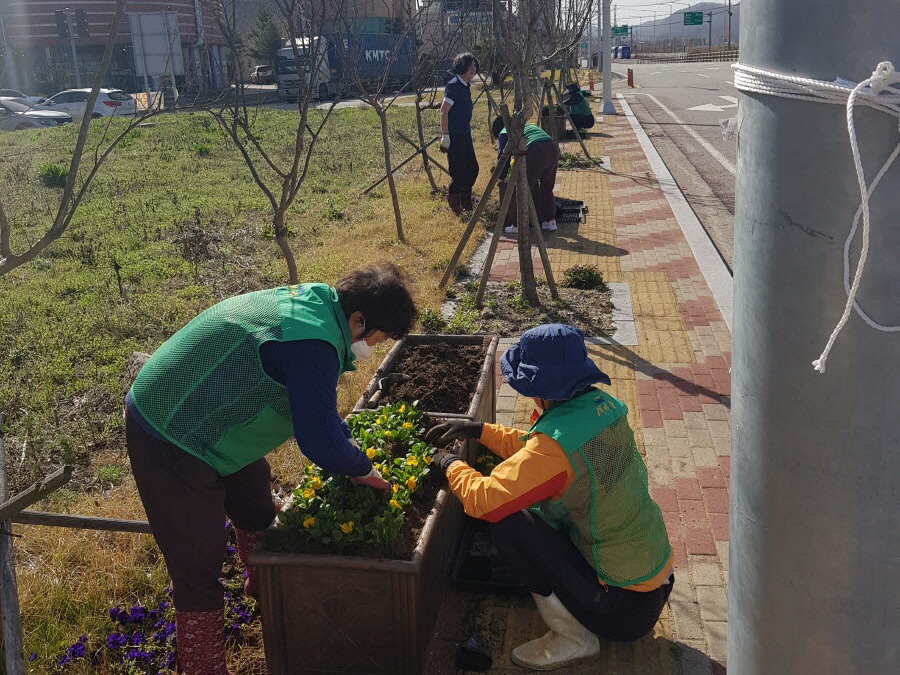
{"x": 453, "y": 199}
{"x": 466, "y": 200}
{"x": 245, "y": 542}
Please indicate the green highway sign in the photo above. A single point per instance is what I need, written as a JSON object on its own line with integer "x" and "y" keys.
{"x": 620, "y": 31}
{"x": 693, "y": 18}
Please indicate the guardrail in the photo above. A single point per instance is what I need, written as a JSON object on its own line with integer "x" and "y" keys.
{"x": 730, "y": 55}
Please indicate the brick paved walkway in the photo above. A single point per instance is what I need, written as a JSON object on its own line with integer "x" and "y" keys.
{"x": 677, "y": 386}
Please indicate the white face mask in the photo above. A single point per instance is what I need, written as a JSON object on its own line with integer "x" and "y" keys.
{"x": 361, "y": 349}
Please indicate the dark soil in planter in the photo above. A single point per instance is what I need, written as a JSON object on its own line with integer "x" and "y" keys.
{"x": 443, "y": 376}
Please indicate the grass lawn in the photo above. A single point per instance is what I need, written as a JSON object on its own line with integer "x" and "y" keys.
{"x": 172, "y": 224}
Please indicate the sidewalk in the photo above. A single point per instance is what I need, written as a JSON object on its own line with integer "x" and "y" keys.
{"x": 672, "y": 370}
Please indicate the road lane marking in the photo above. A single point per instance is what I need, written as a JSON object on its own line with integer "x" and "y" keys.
{"x": 718, "y": 156}
{"x": 712, "y": 107}
{"x": 702, "y": 75}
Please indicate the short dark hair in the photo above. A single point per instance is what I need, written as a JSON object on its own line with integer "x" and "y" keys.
{"x": 497, "y": 126}
{"x": 463, "y": 62}
{"x": 381, "y": 292}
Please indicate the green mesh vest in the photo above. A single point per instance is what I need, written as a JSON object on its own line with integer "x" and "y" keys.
{"x": 205, "y": 389}
{"x": 607, "y": 511}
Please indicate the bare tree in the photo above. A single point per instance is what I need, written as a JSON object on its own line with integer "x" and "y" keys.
{"x": 79, "y": 177}
{"x": 532, "y": 33}
{"x": 379, "y": 73}
{"x": 302, "y": 23}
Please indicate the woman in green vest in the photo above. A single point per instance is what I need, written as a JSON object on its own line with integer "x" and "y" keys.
{"x": 569, "y": 504}
{"x": 541, "y": 163}
{"x": 235, "y": 383}
{"x": 579, "y": 109}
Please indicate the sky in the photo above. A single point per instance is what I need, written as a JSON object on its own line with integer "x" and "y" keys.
{"x": 633, "y": 12}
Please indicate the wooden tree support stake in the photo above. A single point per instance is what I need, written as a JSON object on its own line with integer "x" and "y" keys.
{"x": 36, "y": 492}
{"x": 419, "y": 150}
{"x": 574, "y": 128}
{"x": 482, "y": 203}
{"x": 10, "y": 614}
{"x": 399, "y": 166}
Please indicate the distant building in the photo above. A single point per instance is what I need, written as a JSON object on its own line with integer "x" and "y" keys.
{"x": 36, "y": 58}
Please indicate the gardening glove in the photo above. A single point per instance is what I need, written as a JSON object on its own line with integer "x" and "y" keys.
{"x": 372, "y": 479}
{"x": 459, "y": 430}
{"x": 442, "y": 461}
{"x": 445, "y": 142}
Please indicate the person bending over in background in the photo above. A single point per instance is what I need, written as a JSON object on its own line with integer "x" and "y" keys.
{"x": 456, "y": 133}
{"x": 541, "y": 164}
{"x": 569, "y": 504}
{"x": 231, "y": 386}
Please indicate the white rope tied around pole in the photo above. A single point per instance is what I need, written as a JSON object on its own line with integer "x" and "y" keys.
{"x": 876, "y": 92}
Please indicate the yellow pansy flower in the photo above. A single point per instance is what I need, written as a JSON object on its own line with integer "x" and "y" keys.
{"x": 347, "y": 527}
{"x": 395, "y": 488}
{"x": 316, "y": 483}
{"x": 309, "y": 522}
{"x": 403, "y": 408}
{"x": 387, "y": 434}
{"x": 411, "y": 483}
{"x": 308, "y": 493}
{"x": 370, "y": 453}
{"x": 412, "y": 461}
{"x": 407, "y": 425}
{"x": 394, "y": 504}
{"x": 381, "y": 420}
{"x": 428, "y": 459}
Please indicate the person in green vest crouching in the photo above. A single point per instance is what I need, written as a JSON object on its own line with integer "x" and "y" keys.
{"x": 231, "y": 386}
{"x": 569, "y": 504}
{"x": 579, "y": 108}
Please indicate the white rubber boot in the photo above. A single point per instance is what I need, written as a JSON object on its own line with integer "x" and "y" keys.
{"x": 567, "y": 643}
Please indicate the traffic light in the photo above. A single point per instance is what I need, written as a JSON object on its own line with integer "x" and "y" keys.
{"x": 62, "y": 24}
{"x": 81, "y": 24}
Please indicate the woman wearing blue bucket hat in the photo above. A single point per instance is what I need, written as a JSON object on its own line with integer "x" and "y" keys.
{"x": 569, "y": 504}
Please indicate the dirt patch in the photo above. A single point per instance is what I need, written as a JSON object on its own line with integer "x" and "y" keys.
{"x": 443, "y": 376}
{"x": 507, "y": 315}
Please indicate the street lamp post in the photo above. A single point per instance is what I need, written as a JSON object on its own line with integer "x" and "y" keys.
{"x": 605, "y": 44}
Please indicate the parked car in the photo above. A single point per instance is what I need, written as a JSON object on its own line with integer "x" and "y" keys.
{"x": 15, "y": 116}
{"x": 19, "y": 96}
{"x": 74, "y": 102}
{"x": 262, "y": 75}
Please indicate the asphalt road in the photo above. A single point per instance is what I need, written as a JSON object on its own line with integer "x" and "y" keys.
{"x": 682, "y": 107}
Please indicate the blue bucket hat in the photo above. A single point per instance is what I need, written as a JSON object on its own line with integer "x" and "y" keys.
{"x": 550, "y": 362}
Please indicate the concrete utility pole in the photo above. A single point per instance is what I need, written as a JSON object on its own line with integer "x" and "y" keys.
{"x": 70, "y": 17}
{"x": 814, "y": 465}
{"x": 605, "y": 48}
{"x": 10, "y": 72}
{"x": 729, "y": 24}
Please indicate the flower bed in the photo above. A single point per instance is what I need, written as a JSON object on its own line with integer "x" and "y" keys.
{"x": 329, "y": 514}
{"x": 339, "y": 595}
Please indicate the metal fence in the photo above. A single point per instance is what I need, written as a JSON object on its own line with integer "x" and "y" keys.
{"x": 729, "y": 55}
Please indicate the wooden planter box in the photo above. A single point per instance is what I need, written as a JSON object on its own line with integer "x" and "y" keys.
{"x": 556, "y": 122}
{"x": 330, "y": 614}
{"x": 484, "y": 402}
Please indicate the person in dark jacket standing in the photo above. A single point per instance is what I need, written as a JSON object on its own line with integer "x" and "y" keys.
{"x": 456, "y": 133}
{"x": 228, "y": 388}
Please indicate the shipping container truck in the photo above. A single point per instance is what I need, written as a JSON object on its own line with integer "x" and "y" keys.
{"x": 325, "y": 63}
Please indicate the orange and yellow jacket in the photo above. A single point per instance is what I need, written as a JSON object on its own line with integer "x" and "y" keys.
{"x": 530, "y": 472}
